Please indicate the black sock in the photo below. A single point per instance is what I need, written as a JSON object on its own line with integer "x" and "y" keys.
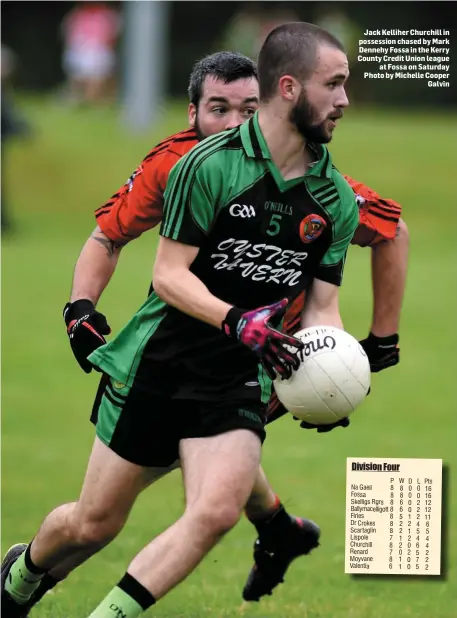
{"x": 136, "y": 591}
{"x": 274, "y": 526}
{"x": 29, "y": 564}
{"x": 47, "y": 583}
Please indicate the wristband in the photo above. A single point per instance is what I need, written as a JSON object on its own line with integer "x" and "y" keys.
{"x": 389, "y": 340}
{"x": 83, "y": 306}
{"x": 231, "y": 321}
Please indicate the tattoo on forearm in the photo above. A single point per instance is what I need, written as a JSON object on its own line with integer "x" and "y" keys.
{"x": 109, "y": 245}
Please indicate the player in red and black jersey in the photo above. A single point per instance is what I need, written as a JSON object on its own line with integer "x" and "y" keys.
{"x": 138, "y": 205}
{"x": 222, "y": 99}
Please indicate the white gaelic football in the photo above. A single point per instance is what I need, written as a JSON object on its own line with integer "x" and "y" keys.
{"x": 332, "y": 380}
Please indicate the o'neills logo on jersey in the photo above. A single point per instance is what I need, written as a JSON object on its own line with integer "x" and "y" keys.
{"x": 359, "y": 199}
{"x": 311, "y": 228}
{"x": 129, "y": 182}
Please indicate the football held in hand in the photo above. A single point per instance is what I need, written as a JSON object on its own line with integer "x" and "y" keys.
{"x": 332, "y": 380}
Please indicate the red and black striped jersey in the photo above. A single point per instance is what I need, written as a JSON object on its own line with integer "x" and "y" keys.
{"x": 138, "y": 205}
{"x": 378, "y": 216}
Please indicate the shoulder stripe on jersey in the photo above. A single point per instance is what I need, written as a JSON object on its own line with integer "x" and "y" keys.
{"x": 164, "y": 142}
{"x": 235, "y": 143}
{"x": 381, "y": 204}
{"x": 326, "y": 195}
{"x": 107, "y": 205}
{"x": 188, "y": 135}
{"x": 216, "y": 143}
{"x": 158, "y": 150}
{"x": 189, "y": 138}
{"x": 373, "y": 208}
{"x": 187, "y": 180}
{"x": 324, "y": 191}
{"x": 178, "y": 223}
{"x": 176, "y": 140}
{"x": 329, "y": 199}
{"x": 167, "y": 146}
{"x": 384, "y": 217}
{"x": 181, "y": 179}
{"x": 184, "y": 136}
{"x": 155, "y": 152}
{"x": 102, "y": 211}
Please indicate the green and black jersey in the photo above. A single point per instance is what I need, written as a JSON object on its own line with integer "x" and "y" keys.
{"x": 260, "y": 239}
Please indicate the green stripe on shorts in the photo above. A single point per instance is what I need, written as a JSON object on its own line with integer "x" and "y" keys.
{"x": 265, "y": 384}
{"x": 110, "y": 410}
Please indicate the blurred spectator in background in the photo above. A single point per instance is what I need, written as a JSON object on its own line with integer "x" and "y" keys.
{"x": 331, "y": 17}
{"x": 249, "y": 28}
{"x": 90, "y": 33}
{"x": 243, "y": 31}
{"x": 272, "y": 19}
{"x": 13, "y": 125}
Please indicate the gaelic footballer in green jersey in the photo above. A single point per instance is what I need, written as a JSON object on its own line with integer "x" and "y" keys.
{"x": 151, "y": 413}
{"x": 260, "y": 239}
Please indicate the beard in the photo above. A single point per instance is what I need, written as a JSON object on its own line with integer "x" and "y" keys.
{"x": 201, "y": 136}
{"x": 302, "y": 118}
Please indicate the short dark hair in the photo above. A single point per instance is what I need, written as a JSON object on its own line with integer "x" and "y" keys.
{"x": 225, "y": 65}
{"x": 291, "y": 49}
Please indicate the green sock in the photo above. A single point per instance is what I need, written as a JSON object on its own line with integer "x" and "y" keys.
{"x": 118, "y": 604}
{"x": 21, "y": 583}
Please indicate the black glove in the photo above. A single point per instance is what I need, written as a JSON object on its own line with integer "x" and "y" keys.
{"x": 254, "y": 329}
{"x": 343, "y": 422}
{"x": 85, "y": 328}
{"x": 382, "y": 352}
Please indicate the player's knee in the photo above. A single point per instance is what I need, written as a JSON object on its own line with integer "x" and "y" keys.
{"x": 96, "y": 531}
{"x": 216, "y": 518}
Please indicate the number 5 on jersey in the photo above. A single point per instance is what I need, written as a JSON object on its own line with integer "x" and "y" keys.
{"x": 274, "y": 226}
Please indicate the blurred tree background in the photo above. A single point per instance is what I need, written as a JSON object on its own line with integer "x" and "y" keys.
{"x": 31, "y": 30}
{"x": 68, "y": 159}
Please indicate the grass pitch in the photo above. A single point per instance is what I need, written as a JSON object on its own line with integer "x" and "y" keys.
{"x": 55, "y": 181}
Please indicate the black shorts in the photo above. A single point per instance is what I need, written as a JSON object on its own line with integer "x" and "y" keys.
{"x": 146, "y": 427}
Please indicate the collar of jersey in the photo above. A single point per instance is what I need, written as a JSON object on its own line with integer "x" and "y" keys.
{"x": 256, "y": 147}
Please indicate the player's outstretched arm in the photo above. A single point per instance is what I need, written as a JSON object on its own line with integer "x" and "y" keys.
{"x": 135, "y": 208}
{"x": 95, "y": 267}
{"x": 86, "y": 327}
{"x": 321, "y": 306}
{"x": 389, "y": 264}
